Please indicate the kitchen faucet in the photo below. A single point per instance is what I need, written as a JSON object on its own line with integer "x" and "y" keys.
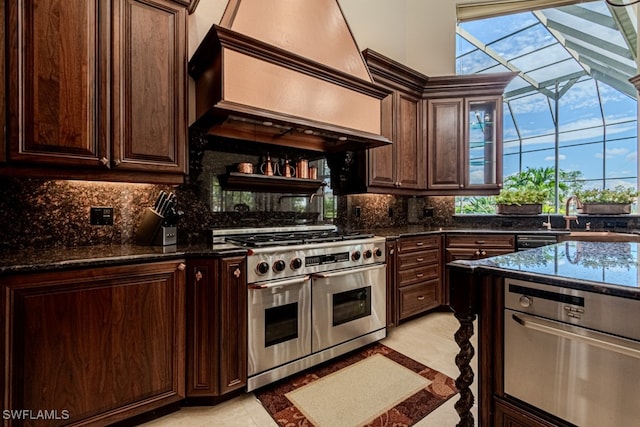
{"x": 568, "y": 217}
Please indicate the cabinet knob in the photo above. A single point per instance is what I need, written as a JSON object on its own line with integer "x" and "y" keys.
{"x": 483, "y": 253}
{"x": 500, "y": 185}
{"x": 182, "y": 266}
{"x": 461, "y": 185}
{"x": 117, "y": 162}
{"x": 104, "y": 161}
{"x": 237, "y": 273}
{"x": 477, "y": 252}
{"x": 392, "y": 251}
{"x": 198, "y": 276}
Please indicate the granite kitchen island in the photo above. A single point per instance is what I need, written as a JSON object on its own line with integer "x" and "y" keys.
{"x": 558, "y": 335}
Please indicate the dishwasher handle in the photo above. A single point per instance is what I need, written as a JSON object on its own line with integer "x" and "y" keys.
{"x": 596, "y": 339}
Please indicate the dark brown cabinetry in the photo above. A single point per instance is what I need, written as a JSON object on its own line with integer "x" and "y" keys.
{"x": 102, "y": 344}
{"x": 97, "y": 89}
{"x": 217, "y": 326}
{"x": 418, "y": 275}
{"x": 476, "y": 246}
{"x": 464, "y": 128}
{"x": 400, "y": 167}
{"x": 392, "y": 313}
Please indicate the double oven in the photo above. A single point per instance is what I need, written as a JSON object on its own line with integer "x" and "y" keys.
{"x": 313, "y": 294}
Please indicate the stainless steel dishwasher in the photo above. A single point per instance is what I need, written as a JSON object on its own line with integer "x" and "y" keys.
{"x": 573, "y": 354}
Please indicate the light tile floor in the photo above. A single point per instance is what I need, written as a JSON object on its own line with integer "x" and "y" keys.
{"x": 428, "y": 339}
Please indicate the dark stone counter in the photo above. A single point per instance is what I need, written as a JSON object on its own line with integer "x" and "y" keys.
{"x": 602, "y": 267}
{"x": 32, "y": 260}
{"x": 420, "y": 230}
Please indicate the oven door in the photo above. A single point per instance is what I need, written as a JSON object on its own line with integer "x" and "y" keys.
{"x": 347, "y": 304}
{"x": 279, "y": 323}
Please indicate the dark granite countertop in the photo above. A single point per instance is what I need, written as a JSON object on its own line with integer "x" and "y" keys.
{"x": 420, "y": 230}
{"x": 31, "y": 260}
{"x": 602, "y": 267}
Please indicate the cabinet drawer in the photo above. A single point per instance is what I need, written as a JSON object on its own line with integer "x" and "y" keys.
{"x": 420, "y": 297}
{"x": 483, "y": 240}
{"x": 418, "y": 243}
{"x": 454, "y": 254}
{"x": 418, "y": 258}
{"x": 419, "y": 274}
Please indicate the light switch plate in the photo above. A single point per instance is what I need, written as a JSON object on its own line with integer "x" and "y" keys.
{"x": 101, "y": 215}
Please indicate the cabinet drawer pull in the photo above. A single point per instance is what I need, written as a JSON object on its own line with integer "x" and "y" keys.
{"x": 237, "y": 273}
{"x": 392, "y": 251}
{"x": 104, "y": 161}
{"x": 480, "y": 242}
{"x": 182, "y": 266}
{"x": 419, "y": 243}
{"x": 198, "y": 276}
{"x": 420, "y": 259}
{"x": 421, "y": 298}
{"x": 419, "y": 275}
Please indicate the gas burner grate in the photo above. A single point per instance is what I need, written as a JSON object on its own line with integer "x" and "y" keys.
{"x": 294, "y": 238}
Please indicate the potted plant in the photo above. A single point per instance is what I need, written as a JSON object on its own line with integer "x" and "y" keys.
{"x": 606, "y": 201}
{"x": 521, "y": 201}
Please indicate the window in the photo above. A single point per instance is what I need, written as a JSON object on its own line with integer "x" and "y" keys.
{"x": 572, "y": 107}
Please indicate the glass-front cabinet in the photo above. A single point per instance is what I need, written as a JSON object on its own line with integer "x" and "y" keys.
{"x": 464, "y": 145}
{"x": 483, "y": 153}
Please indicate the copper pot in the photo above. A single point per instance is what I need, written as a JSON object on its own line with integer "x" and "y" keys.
{"x": 302, "y": 168}
{"x": 245, "y": 167}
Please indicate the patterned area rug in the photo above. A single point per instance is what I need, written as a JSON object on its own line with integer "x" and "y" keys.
{"x": 374, "y": 386}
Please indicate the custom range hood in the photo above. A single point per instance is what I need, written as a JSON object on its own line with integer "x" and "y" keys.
{"x": 286, "y": 72}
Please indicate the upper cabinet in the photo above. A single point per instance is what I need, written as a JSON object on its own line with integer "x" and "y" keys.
{"x": 399, "y": 168}
{"x": 446, "y": 133}
{"x": 464, "y": 133}
{"x": 97, "y": 90}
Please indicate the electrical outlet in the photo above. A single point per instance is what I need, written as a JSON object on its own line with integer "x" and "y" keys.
{"x": 101, "y": 215}
{"x": 390, "y": 212}
{"x": 427, "y": 212}
{"x": 357, "y": 211}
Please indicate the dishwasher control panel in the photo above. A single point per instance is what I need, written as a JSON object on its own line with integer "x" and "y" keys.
{"x": 588, "y": 309}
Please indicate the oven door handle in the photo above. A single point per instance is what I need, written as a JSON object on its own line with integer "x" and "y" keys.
{"x": 596, "y": 339}
{"x": 346, "y": 271}
{"x": 279, "y": 283}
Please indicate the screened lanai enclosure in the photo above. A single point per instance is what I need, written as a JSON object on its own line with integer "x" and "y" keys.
{"x": 571, "y": 114}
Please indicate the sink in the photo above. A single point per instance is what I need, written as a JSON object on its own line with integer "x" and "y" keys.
{"x": 599, "y": 236}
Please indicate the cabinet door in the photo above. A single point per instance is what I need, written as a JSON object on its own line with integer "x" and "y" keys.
{"x": 149, "y": 79}
{"x": 103, "y": 344}
{"x": 55, "y": 52}
{"x": 381, "y": 160}
{"x": 483, "y": 143}
{"x": 445, "y": 149}
{"x": 3, "y": 88}
{"x": 233, "y": 324}
{"x": 202, "y": 328}
{"x": 410, "y": 173}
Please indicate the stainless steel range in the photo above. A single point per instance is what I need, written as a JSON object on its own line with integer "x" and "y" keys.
{"x": 314, "y": 293}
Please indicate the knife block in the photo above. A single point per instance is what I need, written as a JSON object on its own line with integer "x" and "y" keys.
{"x": 148, "y": 228}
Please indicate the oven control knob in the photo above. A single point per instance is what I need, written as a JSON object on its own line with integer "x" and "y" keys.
{"x": 367, "y": 254}
{"x": 355, "y": 255}
{"x": 525, "y": 301}
{"x": 377, "y": 252}
{"x": 262, "y": 268}
{"x": 296, "y": 263}
{"x": 279, "y": 266}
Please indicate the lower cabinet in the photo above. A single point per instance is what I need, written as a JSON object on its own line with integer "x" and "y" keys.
{"x": 507, "y": 415}
{"x": 93, "y": 346}
{"x": 475, "y": 246}
{"x": 418, "y": 275}
{"x": 216, "y": 326}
